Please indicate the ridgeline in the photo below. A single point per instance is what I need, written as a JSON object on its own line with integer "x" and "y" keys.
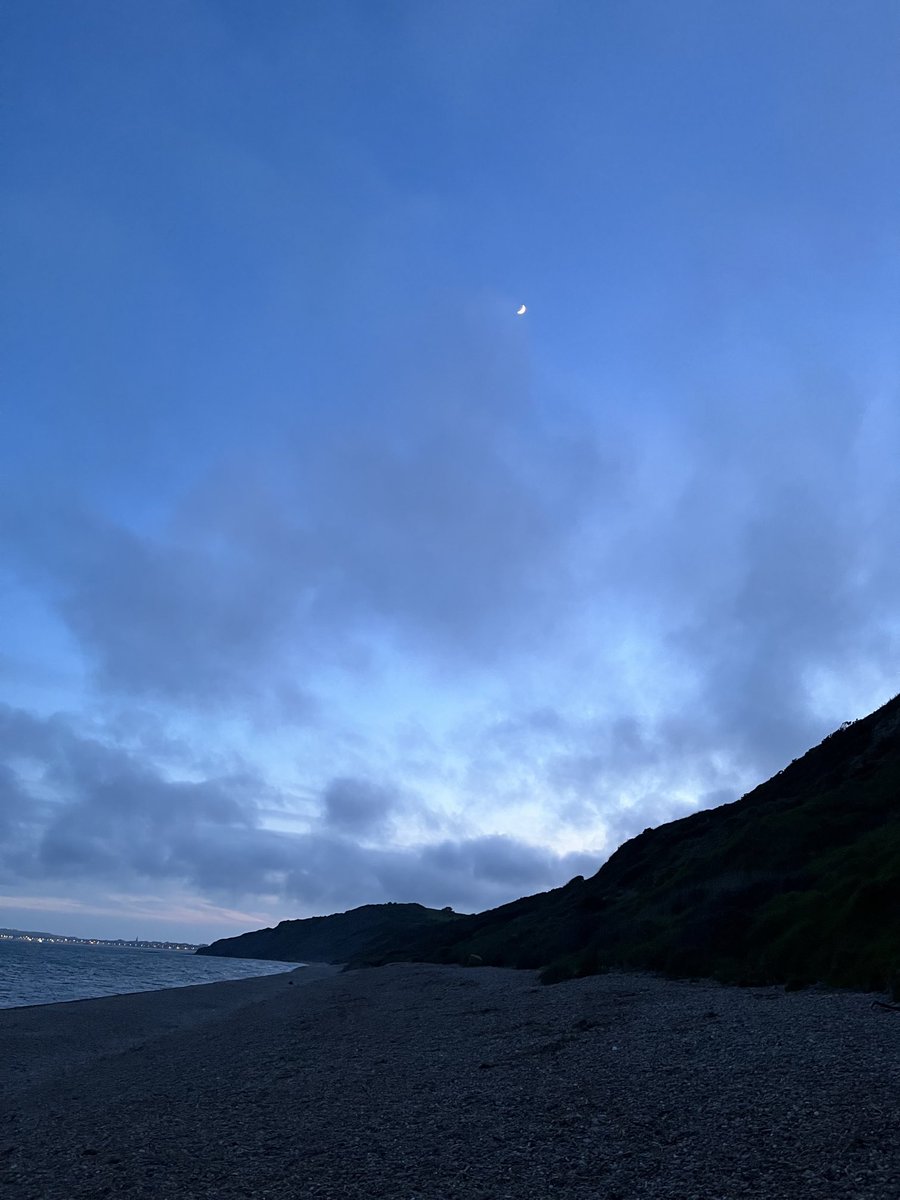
{"x": 373, "y": 929}
{"x": 797, "y": 882}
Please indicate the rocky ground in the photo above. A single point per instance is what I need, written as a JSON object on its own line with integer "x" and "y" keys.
{"x": 416, "y": 1082}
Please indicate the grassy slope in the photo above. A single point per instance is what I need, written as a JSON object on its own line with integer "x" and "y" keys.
{"x": 797, "y": 881}
{"x": 374, "y": 928}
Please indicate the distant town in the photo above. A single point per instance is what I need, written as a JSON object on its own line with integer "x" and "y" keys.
{"x": 59, "y": 939}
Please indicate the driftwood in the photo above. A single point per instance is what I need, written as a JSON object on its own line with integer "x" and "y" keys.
{"x": 889, "y": 1007}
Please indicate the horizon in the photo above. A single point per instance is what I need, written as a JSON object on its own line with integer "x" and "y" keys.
{"x": 440, "y": 442}
{"x": 238, "y": 931}
{"x": 6, "y": 931}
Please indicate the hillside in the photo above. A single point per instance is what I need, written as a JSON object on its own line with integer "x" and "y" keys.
{"x": 796, "y": 882}
{"x": 372, "y": 929}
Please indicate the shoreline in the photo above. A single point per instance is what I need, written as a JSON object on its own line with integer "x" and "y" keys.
{"x": 451, "y": 1083}
{"x": 290, "y": 969}
{"x": 41, "y": 1041}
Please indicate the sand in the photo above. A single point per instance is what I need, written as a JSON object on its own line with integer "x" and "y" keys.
{"x": 418, "y": 1082}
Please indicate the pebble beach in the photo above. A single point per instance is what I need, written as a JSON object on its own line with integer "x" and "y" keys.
{"x": 418, "y": 1082}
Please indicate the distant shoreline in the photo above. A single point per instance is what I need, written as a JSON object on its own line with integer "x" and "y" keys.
{"x": 47, "y": 973}
{"x": 61, "y": 939}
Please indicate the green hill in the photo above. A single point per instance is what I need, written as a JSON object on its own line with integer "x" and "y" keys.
{"x": 372, "y": 929}
{"x": 796, "y": 882}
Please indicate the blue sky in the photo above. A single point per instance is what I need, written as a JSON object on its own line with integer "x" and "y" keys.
{"x": 325, "y": 579}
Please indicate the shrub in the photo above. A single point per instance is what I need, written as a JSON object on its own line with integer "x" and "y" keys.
{"x": 560, "y": 971}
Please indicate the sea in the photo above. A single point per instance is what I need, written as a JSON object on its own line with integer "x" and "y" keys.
{"x": 42, "y": 973}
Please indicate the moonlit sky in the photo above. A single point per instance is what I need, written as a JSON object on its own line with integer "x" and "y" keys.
{"x": 328, "y": 580}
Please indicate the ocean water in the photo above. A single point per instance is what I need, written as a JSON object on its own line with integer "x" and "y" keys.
{"x": 38, "y": 973}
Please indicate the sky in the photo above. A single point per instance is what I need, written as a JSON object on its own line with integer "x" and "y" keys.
{"x": 325, "y": 578}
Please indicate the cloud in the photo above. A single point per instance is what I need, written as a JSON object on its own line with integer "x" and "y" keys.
{"x": 445, "y": 521}
{"x": 470, "y": 874}
{"x": 700, "y": 573}
{"x": 295, "y": 479}
{"x": 356, "y": 805}
{"x": 78, "y": 810}
{"x": 84, "y": 808}
{"x": 504, "y": 862}
{"x": 659, "y": 625}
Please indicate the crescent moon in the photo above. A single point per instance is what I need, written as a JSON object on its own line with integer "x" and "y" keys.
{"x": 520, "y": 311}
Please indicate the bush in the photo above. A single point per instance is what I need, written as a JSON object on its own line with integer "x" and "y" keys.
{"x": 560, "y": 971}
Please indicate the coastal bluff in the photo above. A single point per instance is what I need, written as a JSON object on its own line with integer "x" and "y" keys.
{"x": 797, "y": 883}
{"x": 372, "y": 930}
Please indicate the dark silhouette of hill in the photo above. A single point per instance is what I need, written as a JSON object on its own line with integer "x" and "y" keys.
{"x": 796, "y": 882}
{"x": 373, "y": 929}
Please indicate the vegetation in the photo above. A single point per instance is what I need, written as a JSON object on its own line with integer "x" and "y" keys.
{"x": 797, "y": 882}
{"x": 372, "y": 929}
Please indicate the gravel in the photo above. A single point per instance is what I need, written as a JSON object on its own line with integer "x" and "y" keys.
{"x": 419, "y": 1082}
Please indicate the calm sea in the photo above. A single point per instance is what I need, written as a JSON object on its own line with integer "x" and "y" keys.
{"x": 32, "y": 973}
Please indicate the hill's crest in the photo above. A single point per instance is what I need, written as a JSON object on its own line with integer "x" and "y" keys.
{"x": 796, "y": 882}
{"x": 371, "y": 929}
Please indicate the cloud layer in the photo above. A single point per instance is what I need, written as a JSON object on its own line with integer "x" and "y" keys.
{"x": 324, "y": 578}
{"x": 114, "y": 821}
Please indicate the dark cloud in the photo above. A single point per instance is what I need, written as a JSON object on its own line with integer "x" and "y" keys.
{"x": 445, "y": 519}
{"x": 470, "y": 873}
{"x": 357, "y": 806}
{"x": 467, "y": 535}
{"x": 154, "y": 616}
{"x": 10, "y": 803}
{"x": 117, "y": 822}
{"x": 294, "y": 476}
{"x": 740, "y": 555}
{"x": 88, "y": 808}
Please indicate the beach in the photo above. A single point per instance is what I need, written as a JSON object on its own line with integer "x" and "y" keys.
{"x": 421, "y": 1082}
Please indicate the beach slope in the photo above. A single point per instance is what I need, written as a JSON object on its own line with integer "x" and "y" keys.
{"x": 421, "y": 1082}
